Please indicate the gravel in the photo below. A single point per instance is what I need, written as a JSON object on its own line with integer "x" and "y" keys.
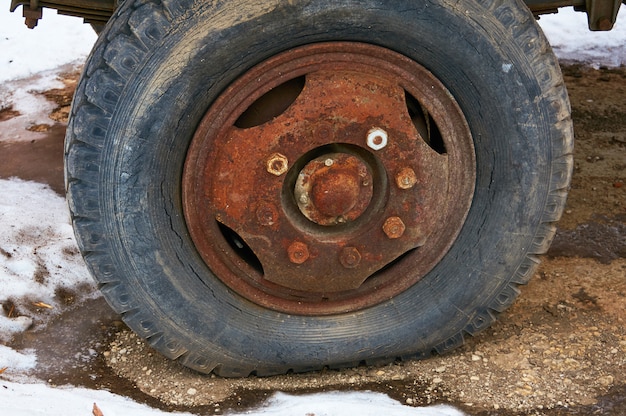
{"x": 562, "y": 344}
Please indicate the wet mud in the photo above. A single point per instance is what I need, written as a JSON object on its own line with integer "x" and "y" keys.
{"x": 603, "y": 239}
{"x": 36, "y": 160}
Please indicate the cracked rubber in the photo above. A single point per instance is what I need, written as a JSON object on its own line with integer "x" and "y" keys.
{"x": 154, "y": 72}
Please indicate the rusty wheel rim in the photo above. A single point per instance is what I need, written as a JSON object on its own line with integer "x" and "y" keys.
{"x": 329, "y": 178}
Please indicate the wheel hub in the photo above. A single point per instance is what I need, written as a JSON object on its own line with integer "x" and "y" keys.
{"x": 341, "y": 199}
{"x": 333, "y": 189}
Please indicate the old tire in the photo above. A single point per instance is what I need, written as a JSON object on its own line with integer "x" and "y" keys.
{"x": 136, "y": 170}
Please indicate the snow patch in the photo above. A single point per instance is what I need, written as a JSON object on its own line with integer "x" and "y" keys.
{"x": 42, "y": 400}
{"x": 38, "y": 256}
{"x": 14, "y": 361}
{"x": 364, "y": 403}
{"x": 572, "y": 41}
{"x": 57, "y": 40}
{"x": 24, "y": 96}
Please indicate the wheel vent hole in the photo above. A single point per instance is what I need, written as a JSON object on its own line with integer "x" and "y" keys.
{"x": 239, "y": 246}
{"x": 425, "y": 124}
{"x": 389, "y": 265}
{"x": 271, "y": 104}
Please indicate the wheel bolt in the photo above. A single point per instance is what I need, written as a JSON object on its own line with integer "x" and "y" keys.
{"x": 394, "y": 227}
{"x": 298, "y": 252}
{"x": 406, "y": 178}
{"x": 277, "y": 164}
{"x": 376, "y": 138}
{"x": 349, "y": 257}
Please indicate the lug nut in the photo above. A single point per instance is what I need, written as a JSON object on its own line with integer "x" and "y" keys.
{"x": 394, "y": 227}
{"x": 376, "y": 138}
{"x": 298, "y": 252}
{"x": 349, "y": 257}
{"x": 277, "y": 164}
{"x": 406, "y": 178}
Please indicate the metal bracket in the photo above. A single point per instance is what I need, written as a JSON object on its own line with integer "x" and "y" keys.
{"x": 601, "y": 14}
{"x": 95, "y": 12}
{"x": 31, "y": 14}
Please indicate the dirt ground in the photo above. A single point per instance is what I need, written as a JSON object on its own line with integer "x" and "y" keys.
{"x": 560, "y": 350}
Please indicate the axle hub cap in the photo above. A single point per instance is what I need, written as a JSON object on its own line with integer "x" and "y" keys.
{"x": 334, "y": 189}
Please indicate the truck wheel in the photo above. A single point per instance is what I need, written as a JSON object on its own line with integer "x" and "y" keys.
{"x": 261, "y": 187}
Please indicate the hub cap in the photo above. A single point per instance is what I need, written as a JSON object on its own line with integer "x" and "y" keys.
{"x": 333, "y": 189}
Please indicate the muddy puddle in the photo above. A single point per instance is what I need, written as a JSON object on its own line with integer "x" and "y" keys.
{"x": 602, "y": 239}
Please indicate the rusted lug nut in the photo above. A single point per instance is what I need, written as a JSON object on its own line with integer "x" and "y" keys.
{"x": 349, "y": 257}
{"x": 277, "y": 164}
{"x": 298, "y": 252}
{"x": 406, "y": 178}
{"x": 376, "y": 138}
{"x": 394, "y": 227}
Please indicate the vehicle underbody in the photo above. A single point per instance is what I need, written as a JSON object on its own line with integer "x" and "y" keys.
{"x": 601, "y": 13}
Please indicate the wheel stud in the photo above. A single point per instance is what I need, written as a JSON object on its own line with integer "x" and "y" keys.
{"x": 277, "y": 164}
{"x": 406, "y": 178}
{"x": 298, "y": 252}
{"x": 349, "y": 257}
{"x": 394, "y": 227}
{"x": 376, "y": 138}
